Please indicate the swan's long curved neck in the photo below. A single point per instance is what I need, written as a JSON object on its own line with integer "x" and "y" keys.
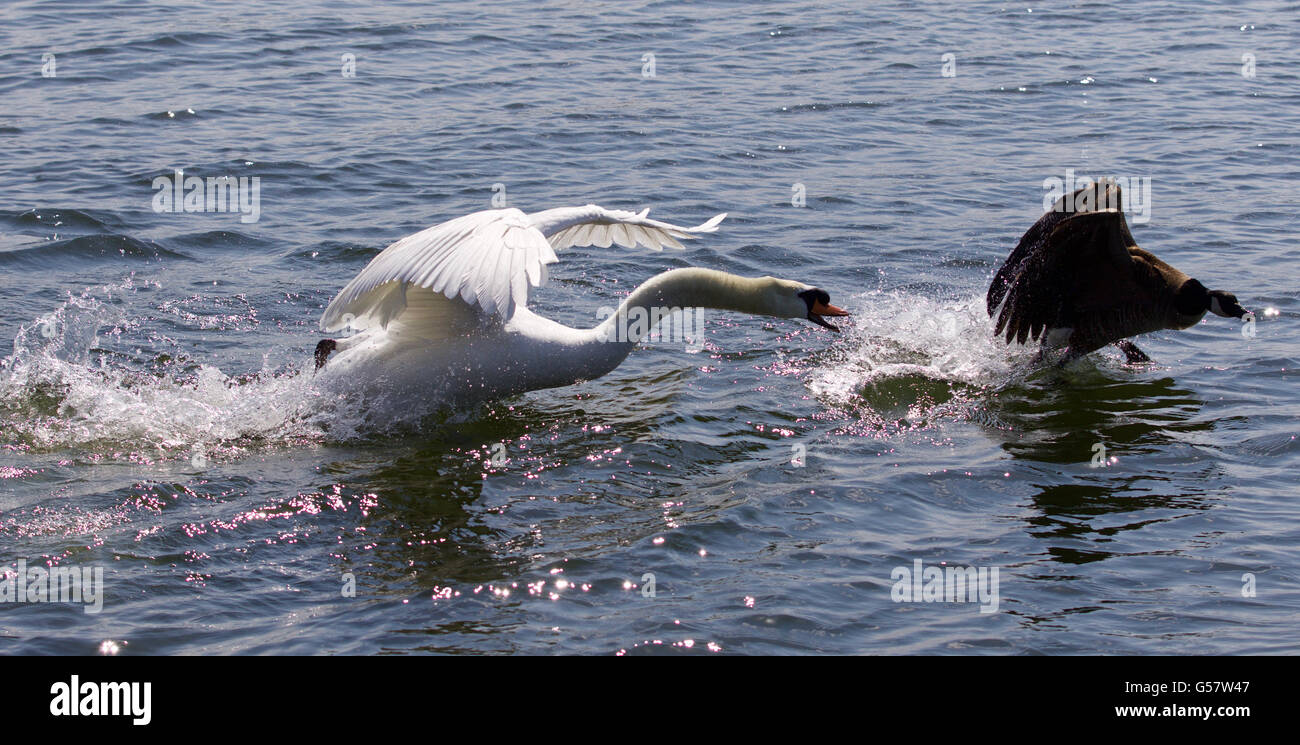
{"x": 670, "y": 302}
{"x": 687, "y": 290}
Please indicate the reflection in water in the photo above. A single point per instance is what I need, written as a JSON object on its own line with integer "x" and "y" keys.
{"x": 1091, "y": 421}
{"x": 435, "y": 515}
{"x": 1061, "y": 414}
{"x": 469, "y": 514}
{"x": 928, "y": 364}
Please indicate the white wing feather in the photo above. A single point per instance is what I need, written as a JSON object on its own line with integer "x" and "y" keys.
{"x": 487, "y": 259}
{"x": 593, "y": 225}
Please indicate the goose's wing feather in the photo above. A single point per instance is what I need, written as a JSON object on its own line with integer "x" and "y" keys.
{"x": 1081, "y": 262}
{"x": 596, "y": 226}
{"x": 484, "y": 260}
{"x": 1032, "y": 242}
{"x": 487, "y": 260}
{"x": 1104, "y": 196}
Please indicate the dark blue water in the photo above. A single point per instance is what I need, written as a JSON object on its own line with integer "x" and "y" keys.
{"x": 155, "y": 421}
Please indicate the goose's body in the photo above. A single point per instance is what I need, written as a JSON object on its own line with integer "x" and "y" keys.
{"x": 441, "y": 315}
{"x": 1077, "y": 281}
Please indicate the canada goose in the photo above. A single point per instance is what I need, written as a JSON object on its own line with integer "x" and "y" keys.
{"x": 441, "y": 313}
{"x": 1078, "y": 280}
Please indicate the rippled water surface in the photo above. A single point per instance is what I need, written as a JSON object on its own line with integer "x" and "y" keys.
{"x": 156, "y": 419}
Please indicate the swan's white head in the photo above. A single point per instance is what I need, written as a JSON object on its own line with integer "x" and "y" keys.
{"x": 788, "y": 299}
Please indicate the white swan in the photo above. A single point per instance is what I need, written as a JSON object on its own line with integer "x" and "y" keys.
{"x": 441, "y": 313}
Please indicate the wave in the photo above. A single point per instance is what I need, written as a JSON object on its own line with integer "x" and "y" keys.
{"x": 65, "y": 220}
{"x": 86, "y": 247}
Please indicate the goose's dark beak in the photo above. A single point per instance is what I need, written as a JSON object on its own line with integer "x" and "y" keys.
{"x": 820, "y": 309}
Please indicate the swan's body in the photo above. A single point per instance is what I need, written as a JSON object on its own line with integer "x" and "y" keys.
{"x": 442, "y": 314}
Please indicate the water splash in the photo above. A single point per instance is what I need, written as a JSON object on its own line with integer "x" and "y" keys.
{"x": 912, "y": 360}
{"x": 69, "y": 384}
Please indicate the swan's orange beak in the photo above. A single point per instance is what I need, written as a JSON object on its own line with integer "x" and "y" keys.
{"x": 820, "y": 309}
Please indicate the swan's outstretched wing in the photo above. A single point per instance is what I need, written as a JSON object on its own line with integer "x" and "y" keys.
{"x": 487, "y": 260}
{"x": 484, "y": 259}
{"x": 597, "y": 226}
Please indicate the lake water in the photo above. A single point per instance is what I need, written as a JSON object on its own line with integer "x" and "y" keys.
{"x": 763, "y": 495}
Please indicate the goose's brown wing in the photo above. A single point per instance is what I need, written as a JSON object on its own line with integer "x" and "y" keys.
{"x": 1031, "y": 243}
{"x": 1080, "y": 262}
{"x": 1104, "y": 195}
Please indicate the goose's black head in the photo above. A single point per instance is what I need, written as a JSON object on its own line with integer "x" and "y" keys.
{"x": 819, "y": 305}
{"x": 1193, "y": 299}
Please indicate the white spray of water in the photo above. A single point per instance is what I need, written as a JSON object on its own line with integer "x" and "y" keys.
{"x": 901, "y": 334}
{"x": 911, "y": 359}
{"x": 59, "y": 389}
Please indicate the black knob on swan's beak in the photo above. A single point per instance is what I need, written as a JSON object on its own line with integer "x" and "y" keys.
{"x": 819, "y": 305}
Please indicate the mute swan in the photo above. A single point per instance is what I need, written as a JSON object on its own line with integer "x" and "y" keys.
{"x": 442, "y": 314}
{"x": 1077, "y": 279}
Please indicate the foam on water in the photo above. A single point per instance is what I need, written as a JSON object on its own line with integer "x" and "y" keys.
{"x": 65, "y": 386}
{"x": 910, "y": 359}
{"x": 79, "y": 378}
{"x": 86, "y": 376}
